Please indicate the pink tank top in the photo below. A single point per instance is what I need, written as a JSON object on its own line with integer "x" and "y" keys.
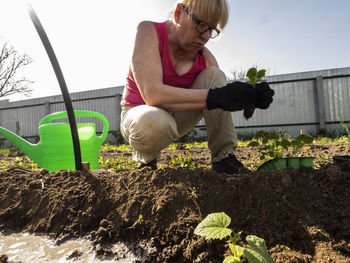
{"x": 131, "y": 94}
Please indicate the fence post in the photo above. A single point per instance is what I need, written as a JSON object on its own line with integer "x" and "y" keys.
{"x": 47, "y": 107}
{"x": 18, "y": 128}
{"x": 118, "y": 98}
{"x": 320, "y": 107}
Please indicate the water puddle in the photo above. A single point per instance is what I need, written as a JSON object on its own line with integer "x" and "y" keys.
{"x": 24, "y": 247}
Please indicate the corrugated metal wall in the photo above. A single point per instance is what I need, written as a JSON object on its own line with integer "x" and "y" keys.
{"x": 338, "y": 101}
{"x": 306, "y": 100}
{"x": 23, "y": 117}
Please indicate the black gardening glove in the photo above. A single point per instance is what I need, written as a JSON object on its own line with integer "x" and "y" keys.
{"x": 238, "y": 95}
{"x": 263, "y": 99}
{"x": 233, "y": 97}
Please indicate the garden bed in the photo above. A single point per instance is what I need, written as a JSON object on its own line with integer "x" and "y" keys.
{"x": 303, "y": 215}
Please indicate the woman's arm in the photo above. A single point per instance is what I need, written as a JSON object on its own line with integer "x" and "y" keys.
{"x": 148, "y": 74}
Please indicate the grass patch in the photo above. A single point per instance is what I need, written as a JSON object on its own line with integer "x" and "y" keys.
{"x": 326, "y": 140}
{"x": 184, "y": 161}
{"x": 115, "y": 148}
{"x": 5, "y": 151}
{"x": 21, "y": 162}
{"x": 175, "y": 146}
{"x": 117, "y": 164}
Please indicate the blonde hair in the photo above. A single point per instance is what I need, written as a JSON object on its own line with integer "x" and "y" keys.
{"x": 211, "y": 11}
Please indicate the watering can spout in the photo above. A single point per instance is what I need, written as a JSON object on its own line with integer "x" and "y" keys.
{"x": 28, "y": 148}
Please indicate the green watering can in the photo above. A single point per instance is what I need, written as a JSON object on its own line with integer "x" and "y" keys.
{"x": 55, "y": 149}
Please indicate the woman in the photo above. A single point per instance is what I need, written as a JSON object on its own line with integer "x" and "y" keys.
{"x": 174, "y": 81}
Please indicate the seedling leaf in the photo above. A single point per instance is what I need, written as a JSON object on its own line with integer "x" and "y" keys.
{"x": 251, "y": 73}
{"x": 254, "y": 144}
{"x": 236, "y": 237}
{"x": 232, "y": 259}
{"x": 214, "y": 226}
{"x": 239, "y": 250}
{"x": 260, "y": 134}
{"x": 261, "y": 73}
{"x": 257, "y": 252}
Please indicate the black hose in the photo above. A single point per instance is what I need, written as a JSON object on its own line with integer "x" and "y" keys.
{"x": 54, "y": 62}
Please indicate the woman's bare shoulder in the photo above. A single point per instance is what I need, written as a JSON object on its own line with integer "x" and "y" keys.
{"x": 145, "y": 26}
{"x": 210, "y": 60}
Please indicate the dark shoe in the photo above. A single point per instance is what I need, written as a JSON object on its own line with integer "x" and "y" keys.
{"x": 152, "y": 164}
{"x": 230, "y": 165}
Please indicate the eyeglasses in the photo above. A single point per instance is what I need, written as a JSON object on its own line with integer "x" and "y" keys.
{"x": 202, "y": 26}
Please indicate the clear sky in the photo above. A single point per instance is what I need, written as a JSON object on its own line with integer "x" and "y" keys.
{"x": 93, "y": 39}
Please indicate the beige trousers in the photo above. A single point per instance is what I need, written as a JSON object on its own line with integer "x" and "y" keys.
{"x": 150, "y": 129}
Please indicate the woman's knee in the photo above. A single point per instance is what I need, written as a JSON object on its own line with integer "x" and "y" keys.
{"x": 152, "y": 128}
{"x": 211, "y": 77}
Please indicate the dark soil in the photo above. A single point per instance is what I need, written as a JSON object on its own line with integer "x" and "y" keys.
{"x": 304, "y": 215}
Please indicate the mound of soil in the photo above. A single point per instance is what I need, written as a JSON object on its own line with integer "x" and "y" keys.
{"x": 304, "y": 215}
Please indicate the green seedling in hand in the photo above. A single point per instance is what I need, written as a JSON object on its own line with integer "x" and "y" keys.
{"x": 214, "y": 226}
{"x": 254, "y": 76}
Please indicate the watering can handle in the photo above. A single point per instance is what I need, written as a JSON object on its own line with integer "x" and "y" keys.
{"x": 80, "y": 113}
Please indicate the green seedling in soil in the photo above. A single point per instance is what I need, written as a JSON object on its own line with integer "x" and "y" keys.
{"x": 214, "y": 226}
{"x": 271, "y": 145}
{"x": 192, "y": 194}
{"x": 322, "y": 160}
{"x": 254, "y": 77}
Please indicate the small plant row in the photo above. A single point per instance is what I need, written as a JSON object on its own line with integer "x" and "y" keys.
{"x": 271, "y": 145}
